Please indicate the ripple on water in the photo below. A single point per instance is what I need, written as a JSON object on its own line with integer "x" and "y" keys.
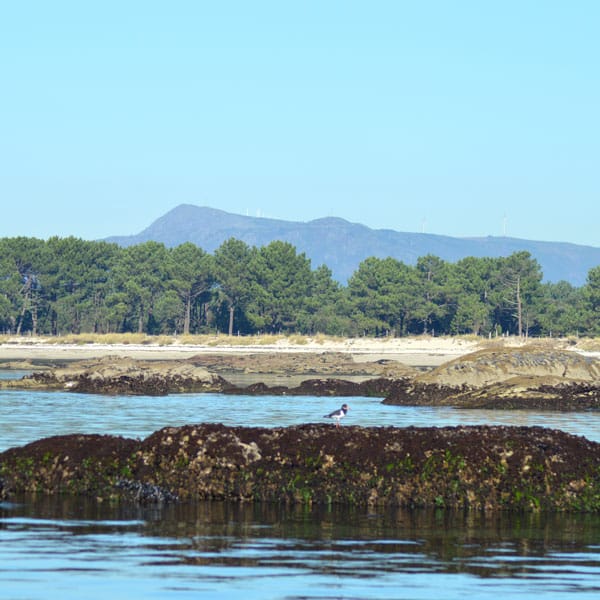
{"x": 28, "y": 416}
{"x": 54, "y": 546}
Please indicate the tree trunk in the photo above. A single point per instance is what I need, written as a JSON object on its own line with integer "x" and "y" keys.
{"x": 519, "y": 307}
{"x": 187, "y": 316}
{"x": 34, "y": 318}
{"x": 231, "y": 310}
{"x": 20, "y": 322}
{"x": 26, "y": 303}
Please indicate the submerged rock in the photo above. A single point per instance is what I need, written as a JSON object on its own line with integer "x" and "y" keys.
{"x": 516, "y": 468}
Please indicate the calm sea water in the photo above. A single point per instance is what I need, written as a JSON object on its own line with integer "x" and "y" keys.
{"x": 78, "y": 548}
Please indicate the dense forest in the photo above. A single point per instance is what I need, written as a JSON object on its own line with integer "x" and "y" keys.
{"x": 68, "y": 285}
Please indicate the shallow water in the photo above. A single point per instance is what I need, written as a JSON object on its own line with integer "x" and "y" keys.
{"x": 62, "y": 548}
{"x": 28, "y": 416}
{"x": 57, "y": 548}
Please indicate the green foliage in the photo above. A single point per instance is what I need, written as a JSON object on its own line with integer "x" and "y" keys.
{"x": 237, "y": 270}
{"x": 192, "y": 277}
{"x": 71, "y": 286}
{"x": 563, "y": 311}
{"x": 382, "y": 296}
{"x": 285, "y": 282}
{"x": 434, "y": 293}
{"x": 141, "y": 275}
{"x": 591, "y": 299}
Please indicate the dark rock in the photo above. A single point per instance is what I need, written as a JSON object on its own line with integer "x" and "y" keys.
{"x": 378, "y": 387}
{"x": 77, "y": 464}
{"x": 258, "y": 389}
{"x": 145, "y": 493}
{"x": 123, "y": 376}
{"x": 516, "y": 468}
{"x": 507, "y": 395}
{"x": 529, "y": 377}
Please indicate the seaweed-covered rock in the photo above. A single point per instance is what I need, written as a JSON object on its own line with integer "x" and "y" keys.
{"x": 145, "y": 493}
{"x": 517, "y": 468}
{"x": 519, "y": 393}
{"x": 377, "y": 387}
{"x": 76, "y": 464}
{"x": 530, "y": 377}
{"x": 116, "y": 375}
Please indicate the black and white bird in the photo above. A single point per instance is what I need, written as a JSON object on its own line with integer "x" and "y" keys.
{"x": 338, "y": 415}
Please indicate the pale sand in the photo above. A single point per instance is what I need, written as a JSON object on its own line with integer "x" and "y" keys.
{"x": 417, "y": 351}
{"x": 423, "y": 350}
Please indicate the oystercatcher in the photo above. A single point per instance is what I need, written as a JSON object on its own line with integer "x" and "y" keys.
{"x": 338, "y": 414}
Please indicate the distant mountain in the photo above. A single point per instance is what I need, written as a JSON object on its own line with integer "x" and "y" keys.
{"x": 342, "y": 245}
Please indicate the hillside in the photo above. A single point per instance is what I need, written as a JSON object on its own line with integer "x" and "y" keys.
{"x": 342, "y": 245}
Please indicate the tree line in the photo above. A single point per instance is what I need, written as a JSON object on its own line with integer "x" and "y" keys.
{"x": 68, "y": 285}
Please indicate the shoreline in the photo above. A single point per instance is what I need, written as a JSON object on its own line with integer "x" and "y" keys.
{"x": 411, "y": 351}
{"x": 416, "y": 351}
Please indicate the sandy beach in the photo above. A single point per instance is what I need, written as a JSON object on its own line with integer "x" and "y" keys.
{"x": 414, "y": 351}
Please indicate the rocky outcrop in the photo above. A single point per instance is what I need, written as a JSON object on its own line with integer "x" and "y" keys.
{"x": 312, "y": 364}
{"x": 496, "y": 365}
{"x": 513, "y": 394}
{"x": 116, "y": 375}
{"x": 377, "y": 387}
{"x": 208, "y": 373}
{"x": 515, "y": 468}
{"x": 530, "y": 377}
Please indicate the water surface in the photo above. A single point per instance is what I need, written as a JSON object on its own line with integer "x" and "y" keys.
{"x": 28, "y": 416}
{"x": 57, "y": 548}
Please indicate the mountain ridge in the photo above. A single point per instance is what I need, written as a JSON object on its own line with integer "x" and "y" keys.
{"x": 342, "y": 245}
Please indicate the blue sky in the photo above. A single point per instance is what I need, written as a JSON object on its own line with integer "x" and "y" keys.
{"x": 458, "y": 118}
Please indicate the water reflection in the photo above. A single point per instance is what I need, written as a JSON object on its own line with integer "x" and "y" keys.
{"x": 336, "y": 540}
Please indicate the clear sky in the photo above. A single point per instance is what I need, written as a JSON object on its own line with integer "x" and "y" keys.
{"x": 463, "y": 118}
